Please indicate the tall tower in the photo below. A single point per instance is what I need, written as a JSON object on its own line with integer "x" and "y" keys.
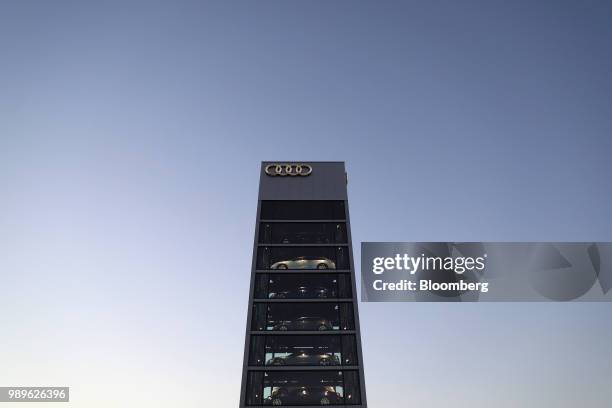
{"x": 303, "y": 344}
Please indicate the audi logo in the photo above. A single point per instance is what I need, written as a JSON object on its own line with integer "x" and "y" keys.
{"x": 286, "y": 169}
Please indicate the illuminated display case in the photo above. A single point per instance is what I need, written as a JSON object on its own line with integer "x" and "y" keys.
{"x": 303, "y": 345}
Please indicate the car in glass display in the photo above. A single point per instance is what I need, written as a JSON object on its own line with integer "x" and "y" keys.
{"x": 304, "y": 323}
{"x": 305, "y": 238}
{"x": 305, "y": 262}
{"x": 303, "y": 395}
{"x": 302, "y": 358}
{"x": 304, "y": 292}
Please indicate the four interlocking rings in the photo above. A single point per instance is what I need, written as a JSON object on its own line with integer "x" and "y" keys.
{"x": 287, "y": 169}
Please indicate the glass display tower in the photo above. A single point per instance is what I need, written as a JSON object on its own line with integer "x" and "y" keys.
{"x": 303, "y": 345}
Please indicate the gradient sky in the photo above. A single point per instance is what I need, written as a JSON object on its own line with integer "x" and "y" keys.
{"x": 130, "y": 141}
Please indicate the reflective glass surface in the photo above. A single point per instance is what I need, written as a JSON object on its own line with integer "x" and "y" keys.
{"x": 303, "y": 316}
{"x": 302, "y": 233}
{"x": 302, "y": 210}
{"x": 303, "y": 388}
{"x": 302, "y": 286}
{"x": 310, "y": 350}
{"x": 335, "y": 257}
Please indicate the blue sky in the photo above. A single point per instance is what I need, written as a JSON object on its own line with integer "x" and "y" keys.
{"x": 130, "y": 141}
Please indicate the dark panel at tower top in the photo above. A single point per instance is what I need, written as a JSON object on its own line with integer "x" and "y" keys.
{"x": 326, "y": 181}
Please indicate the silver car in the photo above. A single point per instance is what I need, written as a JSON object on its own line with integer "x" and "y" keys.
{"x": 305, "y": 262}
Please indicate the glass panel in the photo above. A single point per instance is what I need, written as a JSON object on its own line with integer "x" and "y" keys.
{"x": 303, "y": 350}
{"x": 352, "y": 394}
{"x": 302, "y": 257}
{"x": 261, "y": 285}
{"x": 302, "y": 233}
{"x": 346, "y": 316}
{"x": 258, "y": 351}
{"x": 349, "y": 350}
{"x": 302, "y": 286}
{"x": 254, "y": 392}
{"x": 302, "y": 210}
{"x": 306, "y": 388}
{"x": 258, "y": 321}
{"x": 344, "y": 286}
{"x": 302, "y": 316}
